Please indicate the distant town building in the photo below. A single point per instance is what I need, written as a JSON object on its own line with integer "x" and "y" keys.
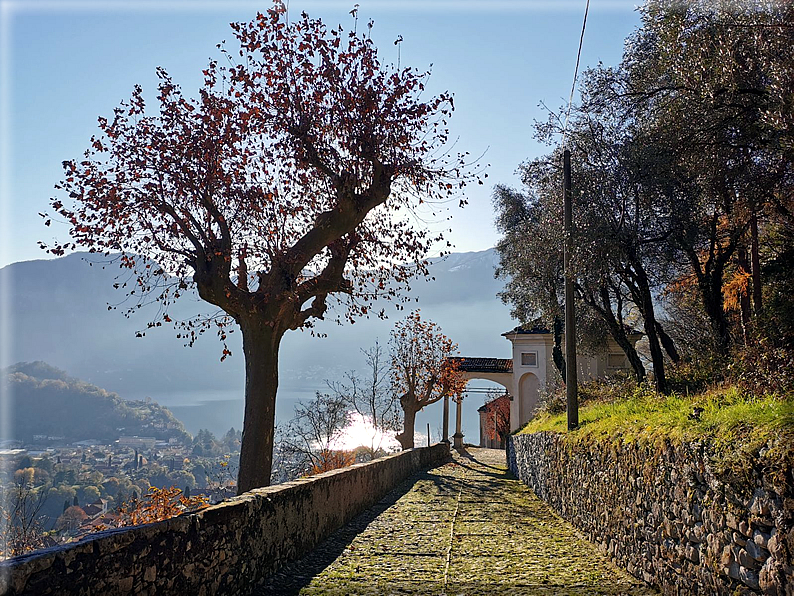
{"x": 136, "y": 442}
{"x": 87, "y": 443}
{"x": 98, "y": 507}
{"x": 48, "y": 438}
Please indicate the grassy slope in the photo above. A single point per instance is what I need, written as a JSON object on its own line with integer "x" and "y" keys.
{"x": 733, "y": 423}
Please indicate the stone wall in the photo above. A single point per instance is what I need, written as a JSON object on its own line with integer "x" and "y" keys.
{"x": 225, "y": 549}
{"x": 666, "y": 514}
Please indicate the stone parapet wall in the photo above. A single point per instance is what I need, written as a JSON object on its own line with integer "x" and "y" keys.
{"x": 666, "y": 514}
{"x": 227, "y": 548}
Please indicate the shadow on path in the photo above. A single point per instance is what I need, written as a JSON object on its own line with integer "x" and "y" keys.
{"x": 466, "y": 527}
{"x": 299, "y": 574}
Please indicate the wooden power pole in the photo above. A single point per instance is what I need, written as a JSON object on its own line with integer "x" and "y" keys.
{"x": 571, "y": 383}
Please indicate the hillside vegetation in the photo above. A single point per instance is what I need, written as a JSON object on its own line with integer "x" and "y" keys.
{"x": 735, "y": 423}
{"x": 681, "y": 160}
{"x": 46, "y": 401}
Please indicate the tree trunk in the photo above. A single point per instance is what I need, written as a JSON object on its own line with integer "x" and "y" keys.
{"x": 641, "y": 293}
{"x": 260, "y": 346}
{"x": 709, "y": 278}
{"x": 713, "y": 304}
{"x": 406, "y": 438}
{"x": 634, "y": 359}
{"x": 744, "y": 299}
{"x": 618, "y": 333}
{"x": 557, "y": 355}
{"x": 668, "y": 344}
{"x": 657, "y": 358}
{"x": 756, "y": 260}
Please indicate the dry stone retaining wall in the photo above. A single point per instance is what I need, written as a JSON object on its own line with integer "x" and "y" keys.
{"x": 227, "y": 548}
{"x": 666, "y": 515}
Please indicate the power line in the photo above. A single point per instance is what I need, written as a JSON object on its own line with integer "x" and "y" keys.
{"x": 575, "y": 74}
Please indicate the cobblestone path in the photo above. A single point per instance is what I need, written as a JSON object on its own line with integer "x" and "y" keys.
{"x": 467, "y": 527}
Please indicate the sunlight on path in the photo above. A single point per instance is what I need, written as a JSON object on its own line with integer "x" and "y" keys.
{"x": 467, "y": 527}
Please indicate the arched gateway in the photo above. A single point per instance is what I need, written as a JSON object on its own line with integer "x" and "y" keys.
{"x": 526, "y": 374}
{"x": 497, "y": 370}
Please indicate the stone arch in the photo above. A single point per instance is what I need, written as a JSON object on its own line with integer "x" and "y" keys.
{"x": 503, "y": 379}
{"x": 528, "y": 397}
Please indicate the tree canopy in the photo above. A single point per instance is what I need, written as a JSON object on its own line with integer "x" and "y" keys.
{"x": 682, "y": 186}
{"x": 291, "y": 177}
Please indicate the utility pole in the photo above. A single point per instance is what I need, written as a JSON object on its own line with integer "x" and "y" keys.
{"x": 571, "y": 383}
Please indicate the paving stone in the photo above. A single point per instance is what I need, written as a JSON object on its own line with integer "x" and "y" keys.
{"x": 467, "y": 527}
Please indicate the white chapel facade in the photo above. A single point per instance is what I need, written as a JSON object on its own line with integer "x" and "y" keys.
{"x": 528, "y": 372}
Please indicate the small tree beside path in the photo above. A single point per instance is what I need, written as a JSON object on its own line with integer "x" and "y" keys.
{"x": 422, "y": 370}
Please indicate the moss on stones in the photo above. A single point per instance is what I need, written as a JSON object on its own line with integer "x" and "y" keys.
{"x": 470, "y": 527}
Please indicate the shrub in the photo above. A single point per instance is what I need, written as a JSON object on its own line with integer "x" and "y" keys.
{"x": 761, "y": 368}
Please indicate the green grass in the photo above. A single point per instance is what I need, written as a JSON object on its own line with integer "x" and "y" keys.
{"x": 729, "y": 419}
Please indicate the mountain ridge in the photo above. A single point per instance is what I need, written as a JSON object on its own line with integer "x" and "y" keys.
{"x": 60, "y": 315}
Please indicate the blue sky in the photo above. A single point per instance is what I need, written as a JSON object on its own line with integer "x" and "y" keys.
{"x": 65, "y": 63}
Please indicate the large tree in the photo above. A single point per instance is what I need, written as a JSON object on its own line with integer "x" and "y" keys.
{"x": 290, "y": 178}
{"x": 530, "y": 257}
{"x": 531, "y": 250}
{"x": 623, "y": 221}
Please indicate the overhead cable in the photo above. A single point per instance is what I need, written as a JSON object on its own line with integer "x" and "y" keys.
{"x": 575, "y": 74}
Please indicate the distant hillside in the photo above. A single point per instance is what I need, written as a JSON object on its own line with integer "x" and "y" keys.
{"x": 60, "y": 315}
{"x": 46, "y": 401}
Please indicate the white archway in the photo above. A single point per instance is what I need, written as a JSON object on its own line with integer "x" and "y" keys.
{"x": 505, "y": 379}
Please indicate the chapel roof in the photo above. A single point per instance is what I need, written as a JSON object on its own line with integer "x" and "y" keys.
{"x": 484, "y": 365}
{"x": 537, "y": 328}
{"x": 532, "y": 328}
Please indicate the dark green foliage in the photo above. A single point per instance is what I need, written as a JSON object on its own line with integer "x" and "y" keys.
{"x": 683, "y": 178}
{"x": 206, "y": 445}
{"x": 45, "y": 463}
{"x": 65, "y": 477}
{"x": 55, "y": 404}
{"x": 24, "y": 462}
